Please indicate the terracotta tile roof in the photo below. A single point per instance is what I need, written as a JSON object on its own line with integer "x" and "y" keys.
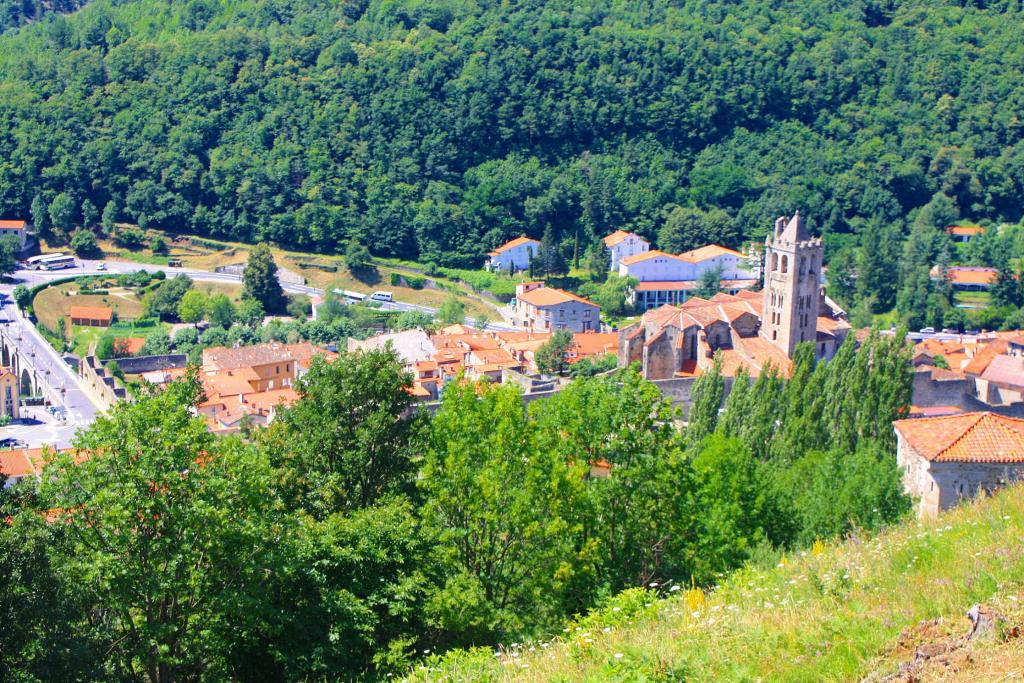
{"x": 686, "y": 285}
{"x": 934, "y": 411}
{"x": 5, "y": 371}
{"x": 549, "y": 296}
{"x": 594, "y": 343}
{"x": 91, "y": 313}
{"x": 988, "y": 352}
{"x": 263, "y": 401}
{"x": 647, "y": 255}
{"x": 1006, "y": 371}
{"x": 618, "y": 237}
{"x": 12, "y": 225}
{"x": 129, "y": 345}
{"x": 21, "y": 462}
{"x": 969, "y": 275}
{"x": 968, "y": 437}
{"x": 708, "y": 251}
{"x": 512, "y": 244}
{"x": 965, "y": 230}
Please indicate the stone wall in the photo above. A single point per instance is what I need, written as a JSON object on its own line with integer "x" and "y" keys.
{"x": 140, "y": 364}
{"x": 91, "y": 370}
{"x": 955, "y": 392}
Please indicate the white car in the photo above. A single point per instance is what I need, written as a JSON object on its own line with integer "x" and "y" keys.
{"x": 101, "y": 266}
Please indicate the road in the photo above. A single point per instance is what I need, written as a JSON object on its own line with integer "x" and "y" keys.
{"x": 81, "y": 407}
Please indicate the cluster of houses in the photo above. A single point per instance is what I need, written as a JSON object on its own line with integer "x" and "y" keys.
{"x": 246, "y": 384}
{"x": 498, "y": 356}
{"x": 964, "y": 433}
{"x": 662, "y": 278}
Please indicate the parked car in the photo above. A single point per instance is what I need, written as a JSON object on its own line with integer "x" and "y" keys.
{"x": 101, "y": 266}
{"x": 381, "y": 296}
{"x": 927, "y": 330}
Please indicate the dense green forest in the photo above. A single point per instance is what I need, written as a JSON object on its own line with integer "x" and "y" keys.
{"x": 14, "y": 13}
{"x": 355, "y": 533}
{"x": 437, "y": 129}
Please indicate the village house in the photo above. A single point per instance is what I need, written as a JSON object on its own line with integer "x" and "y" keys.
{"x": 951, "y": 458}
{"x": 967, "y": 278}
{"x": 546, "y": 309}
{"x": 669, "y": 279}
{"x": 17, "y": 229}
{"x": 746, "y": 329}
{"x": 19, "y": 463}
{"x": 963, "y": 233}
{"x": 91, "y": 316}
{"x": 621, "y": 244}
{"x": 9, "y": 399}
{"x": 267, "y": 366}
{"x": 513, "y": 255}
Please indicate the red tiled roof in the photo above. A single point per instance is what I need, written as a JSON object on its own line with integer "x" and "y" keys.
{"x": 619, "y": 236}
{"x": 968, "y": 437}
{"x": 709, "y": 251}
{"x": 653, "y": 253}
{"x": 965, "y": 230}
{"x": 12, "y": 224}
{"x": 91, "y": 313}
{"x": 550, "y": 296}
{"x": 512, "y": 244}
{"x": 969, "y": 275}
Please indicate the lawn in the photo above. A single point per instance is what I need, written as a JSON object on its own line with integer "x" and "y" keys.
{"x": 972, "y": 299}
{"x": 55, "y": 302}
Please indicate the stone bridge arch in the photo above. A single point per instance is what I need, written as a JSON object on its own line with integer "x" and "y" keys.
{"x": 27, "y": 384}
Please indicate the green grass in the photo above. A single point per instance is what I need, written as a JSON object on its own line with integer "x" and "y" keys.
{"x": 83, "y": 337}
{"x": 842, "y": 611}
{"x": 973, "y": 299}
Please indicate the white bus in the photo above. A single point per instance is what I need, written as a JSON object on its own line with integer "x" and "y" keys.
{"x": 58, "y": 262}
{"x": 350, "y": 297}
{"x": 50, "y": 262}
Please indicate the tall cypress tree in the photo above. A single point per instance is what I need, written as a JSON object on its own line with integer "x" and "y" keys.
{"x": 260, "y": 280}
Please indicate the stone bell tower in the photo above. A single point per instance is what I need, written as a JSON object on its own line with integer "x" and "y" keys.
{"x": 792, "y": 284}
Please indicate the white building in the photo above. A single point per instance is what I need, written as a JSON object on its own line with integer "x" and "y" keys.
{"x": 546, "y": 309}
{"x": 513, "y": 255}
{"x": 622, "y": 244}
{"x": 734, "y": 265}
{"x": 656, "y": 265}
{"x": 17, "y": 228}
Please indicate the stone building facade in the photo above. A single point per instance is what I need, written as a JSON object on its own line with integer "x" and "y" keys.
{"x": 793, "y": 294}
{"x": 746, "y": 329}
{"x": 947, "y": 459}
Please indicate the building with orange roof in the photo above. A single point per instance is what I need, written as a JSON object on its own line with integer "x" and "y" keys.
{"x": 622, "y": 244}
{"x": 513, "y": 255}
{"x": 668, "y": 279}
{"x": 10, "y": 400}
{"x": 950, "y": 458}
{"x": 963, "y": 233}
{"x": 19, "y": 229}
{"x": 967, "y": 278}
{"x": 591, "y": 345}
{"x": 547, "y": 309}
{"x": 91, "y": 316}
{"x": 734, "y": 265}
{"x": 747, "y": 329}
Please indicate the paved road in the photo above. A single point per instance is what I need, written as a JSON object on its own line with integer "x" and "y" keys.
{"x": 81, "y": 407}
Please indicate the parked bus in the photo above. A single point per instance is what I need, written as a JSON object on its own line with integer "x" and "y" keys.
{"x": 50, "y": 262}
{"x": 56, "y": 263}
{"x": 350, "y": 297}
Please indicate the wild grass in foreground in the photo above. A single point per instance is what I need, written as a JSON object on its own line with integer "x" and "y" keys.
{"x": 839, "y": 612}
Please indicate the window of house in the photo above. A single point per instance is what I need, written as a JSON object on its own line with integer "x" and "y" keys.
{"x": 785, "y": 264}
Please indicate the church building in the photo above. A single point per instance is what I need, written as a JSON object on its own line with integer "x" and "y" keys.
{"x": 746, "y": 329}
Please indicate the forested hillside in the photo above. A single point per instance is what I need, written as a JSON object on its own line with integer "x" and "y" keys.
{"x": 437, "y": 129}
{"x": 14, "y": 13}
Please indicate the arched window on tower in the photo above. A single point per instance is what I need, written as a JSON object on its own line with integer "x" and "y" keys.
{"x": 785, "y": 263}
{"x": 775, "y": 262}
